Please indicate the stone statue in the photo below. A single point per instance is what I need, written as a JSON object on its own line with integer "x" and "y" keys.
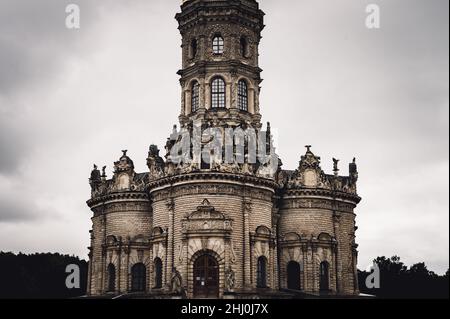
{"x": 155, "y": 163}
{"x": 230, "y": 278}
{"x": 335, "y": 166}
{"x": 95, "y": 175}
{"x": 176, "y": 284}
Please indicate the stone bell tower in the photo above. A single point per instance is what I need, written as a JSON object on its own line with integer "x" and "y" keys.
{"x": 220, "y": 75}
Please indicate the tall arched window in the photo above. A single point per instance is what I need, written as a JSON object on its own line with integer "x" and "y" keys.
{"x": 242, "y": 96}
{"x": 138, "y": 277}
{"x": 218, "y": 44}
{"x": 195, "y": 99}
{"x": 111, "y": 278}
{"x": 324, "y": 276}
{"x": 158, "y": 273}
{"x": 261, "y": 272}
{"x": 218, "y": 93}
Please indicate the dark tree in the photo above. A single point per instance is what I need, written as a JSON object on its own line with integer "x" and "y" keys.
{"x": 397, "y": 281}
{"x": 39, "y": 276}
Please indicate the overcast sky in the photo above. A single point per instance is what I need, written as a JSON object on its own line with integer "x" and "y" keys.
{"x": 71, "y": 98}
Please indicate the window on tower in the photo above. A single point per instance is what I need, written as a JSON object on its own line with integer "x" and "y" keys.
{"x": 244, "y": 47}
{"x": 242, "y": 95}
{"x": 194, "y": 47}
{"x": 195, "y": 102}
{"x": 218, "y": 93}
{"x": 218, "y": 44}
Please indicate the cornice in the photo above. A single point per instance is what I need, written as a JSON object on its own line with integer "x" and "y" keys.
{"x": 208, "y": 177}
{"x": 303, "y": 192}
{"x": 118, "y": 197}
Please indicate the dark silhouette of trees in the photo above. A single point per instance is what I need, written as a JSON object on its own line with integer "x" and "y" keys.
{"x": 39, "y": 276}
{"x": 44, "y": 276}
{"x": 399, "y": 281}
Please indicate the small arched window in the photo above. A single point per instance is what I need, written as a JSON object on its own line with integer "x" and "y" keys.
{"x": 218, "y": 44}
{"x": 242, "y": 96}
{"x": 261, "y": 272}
{"x": 158, "y": 273}
{"x": 244, "y": 47}
{"x": 324, "y": 276}
{"x": 138, "y": 277}
{"x": 111, "y": 278}
{"x": 194, "y": 47}
{"x": 195, "y": 99}
{"x": 293, "y": 275}
{"x": 218, "y": 93}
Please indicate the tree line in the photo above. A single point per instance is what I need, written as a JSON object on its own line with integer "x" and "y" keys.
{"x": 39, "y": 276}
{"x": 399, "y": 281}
{"x": 44, "y": 276}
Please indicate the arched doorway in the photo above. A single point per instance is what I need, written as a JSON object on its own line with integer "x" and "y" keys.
{"x": 111, "y": 278}
{"x": 261, "y": 272}
{"x": 206, "y": 277}
{"x": 324, "y": 276}
{"x": 158, "y": 273}
{"x": 293, "y": 275}
{"x": 138, "y": 277}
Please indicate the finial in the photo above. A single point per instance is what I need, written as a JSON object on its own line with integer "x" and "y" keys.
{"x": 104, "y": 171}
{"x": 335, "y": 166}
{"x": 354, "y": 160}
{"x": 95, "y": 166}
{"x": 308, "y": 148}
{"x": 124, "y": 152}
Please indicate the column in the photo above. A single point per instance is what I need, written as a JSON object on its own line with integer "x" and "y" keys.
{"x": 251, "y": 100}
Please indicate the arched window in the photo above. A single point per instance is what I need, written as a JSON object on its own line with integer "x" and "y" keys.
{"x": 158, "y": 273}
{"x": 242, "y": 96}
{"x": 111, "y": 278}
{"x": 194, "y": 46}
{"x": 244, "y": 47}
{"x": 138, "y": 277}
{"x": 218, "y": 93}
{"x": 324, "y": 277}
{"x": 195, "y": 99}
{"x": 261, "y": 272}
{"x": 218, "y": 44}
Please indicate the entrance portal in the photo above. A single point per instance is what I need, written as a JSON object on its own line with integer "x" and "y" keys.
{"x": 206, "y": 277}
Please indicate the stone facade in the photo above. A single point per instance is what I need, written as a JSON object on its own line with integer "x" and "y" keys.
{"x": 216, "y": 228}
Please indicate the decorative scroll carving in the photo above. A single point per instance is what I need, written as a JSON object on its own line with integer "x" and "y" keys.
{"x": 230, "y": 279}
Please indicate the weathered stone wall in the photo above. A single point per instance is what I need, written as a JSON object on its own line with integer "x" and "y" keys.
{"x": 247, "y": 207}
{"x": 117, "y": 227}
{"x": 308, "y": 218}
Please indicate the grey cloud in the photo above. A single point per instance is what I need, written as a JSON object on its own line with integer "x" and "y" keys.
{"x": 379, "y": 95}
{"x": 14, "y": 210}
{"x": 34, "y": 40}
{"x": 34, "y": 44}
{"x": 13, "y": 145}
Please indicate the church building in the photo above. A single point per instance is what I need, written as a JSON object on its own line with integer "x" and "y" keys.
{"x": 216, "y": 215}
